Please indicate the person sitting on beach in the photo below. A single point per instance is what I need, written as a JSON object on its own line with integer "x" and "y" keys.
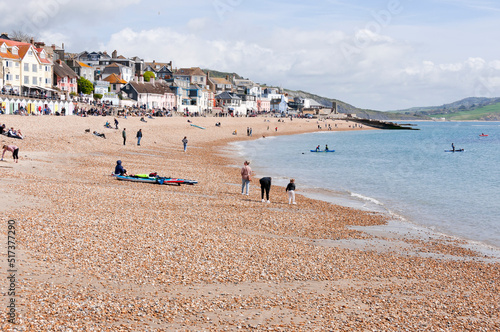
{"x": 235, "y": 132}
{"x": 119, "y": 170}
{"x": 2, "y": 128}
{"x": 142, "y": 119}
{"x": 99, "y": 134}
{"x": 19, "y": 134}
{"x": 107, "y": 124}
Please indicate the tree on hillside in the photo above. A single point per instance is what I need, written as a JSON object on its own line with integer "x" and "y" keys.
{"x": 85, "y": 86}
{"x": 148, "y": 75}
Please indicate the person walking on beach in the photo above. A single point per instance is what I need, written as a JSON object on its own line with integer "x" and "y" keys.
{"x": 246, "y": 177}
{"x": 124, "y": 135}
{"x": 290, "y": 188}
{"x": 116, "y": 124}
{"x": 265, "y": 185}
{"x": 139, "y": 136}
{"x": 15, "y": 152}
{"x": 185, "y": 143}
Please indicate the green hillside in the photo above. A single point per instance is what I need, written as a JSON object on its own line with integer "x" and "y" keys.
{"x": 485, "y": 113}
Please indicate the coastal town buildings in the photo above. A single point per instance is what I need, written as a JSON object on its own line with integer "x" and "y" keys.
{"x": 115, "y": 82}
{"x": 188, "y": 90}
{"x": 219, "y": 85}
{"x": 65, "y": 79}
{"x": 162, "y": 70}
{"x": 25, "y": 68}
{"x": 148, "y": 95}
{"x": 81, "y": 69}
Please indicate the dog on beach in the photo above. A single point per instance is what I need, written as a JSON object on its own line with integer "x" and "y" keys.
{"x": 87, "y": 130}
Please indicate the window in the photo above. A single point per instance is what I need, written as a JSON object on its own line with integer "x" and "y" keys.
{"x": 26, "y": 80}
{"x": 47, "y": 81}
{"x": 30, "y": 52}
{"x": 3, "y": 49}
{"x": 26, "y": 67}
{"x": 34, "y": 68}
{"x": 47, "y": 68}
{"x": 17, "y": 64}
{"x": 34, "y": 80}
{"x": 17, "y": 77}
{"x": 8, "y": 77}
{"x": 8, "y": 64}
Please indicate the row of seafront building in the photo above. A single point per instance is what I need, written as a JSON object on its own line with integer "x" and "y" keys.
{"x": 38, "y": 77}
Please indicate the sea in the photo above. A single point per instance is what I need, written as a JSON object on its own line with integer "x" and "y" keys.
{"x": 405, "y": 173}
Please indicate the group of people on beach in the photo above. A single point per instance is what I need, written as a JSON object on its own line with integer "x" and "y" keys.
{"x": 11, "y": 132}
{"x": 265, "y": 185}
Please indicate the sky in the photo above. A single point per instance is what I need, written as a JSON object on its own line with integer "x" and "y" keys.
{"x": 381, "y": 55}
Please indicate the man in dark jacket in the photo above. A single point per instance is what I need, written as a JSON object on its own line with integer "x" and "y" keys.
{"x": 139, "y": 136}
{"x": 124, "y": 135}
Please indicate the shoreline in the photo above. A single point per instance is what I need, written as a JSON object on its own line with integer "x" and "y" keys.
{"x": 411, "y": 228}
{"x": 132, "y": 256}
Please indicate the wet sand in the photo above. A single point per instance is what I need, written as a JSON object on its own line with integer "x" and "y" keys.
{"x": 98, "y": 254}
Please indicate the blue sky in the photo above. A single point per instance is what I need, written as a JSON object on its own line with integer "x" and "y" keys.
{"x": 382, "y": 55}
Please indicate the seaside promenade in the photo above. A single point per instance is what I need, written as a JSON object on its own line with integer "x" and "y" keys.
{"x": 96, "y": 254}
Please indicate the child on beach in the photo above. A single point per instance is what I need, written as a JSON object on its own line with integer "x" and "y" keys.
{"x": 290, "y": 188}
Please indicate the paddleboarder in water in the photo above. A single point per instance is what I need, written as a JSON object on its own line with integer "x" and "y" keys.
{"x": 452, "y": 147}
{"x": 326, "y": 147}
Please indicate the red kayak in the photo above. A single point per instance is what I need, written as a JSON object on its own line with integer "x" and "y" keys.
{"x": 483, "y": 135}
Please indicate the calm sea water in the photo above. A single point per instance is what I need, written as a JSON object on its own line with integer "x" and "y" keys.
{"x": 406, "y": 173}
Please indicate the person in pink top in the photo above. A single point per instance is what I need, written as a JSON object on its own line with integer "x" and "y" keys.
{"x": 12, "y": 148}
{"x": 246, "y": 177}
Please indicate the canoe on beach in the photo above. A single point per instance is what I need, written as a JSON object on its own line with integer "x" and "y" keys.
{"x": 156, "y": 180}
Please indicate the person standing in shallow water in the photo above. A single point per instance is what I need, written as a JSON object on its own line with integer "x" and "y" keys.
{"x": 246, "y": 177}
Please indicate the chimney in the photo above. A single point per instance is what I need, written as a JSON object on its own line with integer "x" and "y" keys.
{"x": 136, "y": 79}
{"x": 32, "y": 41}
{"x": 152, "y": 80}
{"x": 141, "y": 79}
{"x": 63, "y": 46}
{"x": 227, "y": 77}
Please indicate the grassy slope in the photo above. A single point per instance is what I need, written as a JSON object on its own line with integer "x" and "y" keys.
{"x": 480, "y": 113}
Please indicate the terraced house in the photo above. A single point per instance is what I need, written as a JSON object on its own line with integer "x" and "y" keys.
{"x": 25, "y": 68}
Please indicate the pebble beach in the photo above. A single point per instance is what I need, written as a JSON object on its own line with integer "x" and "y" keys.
{"x": 97, "y": 254}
